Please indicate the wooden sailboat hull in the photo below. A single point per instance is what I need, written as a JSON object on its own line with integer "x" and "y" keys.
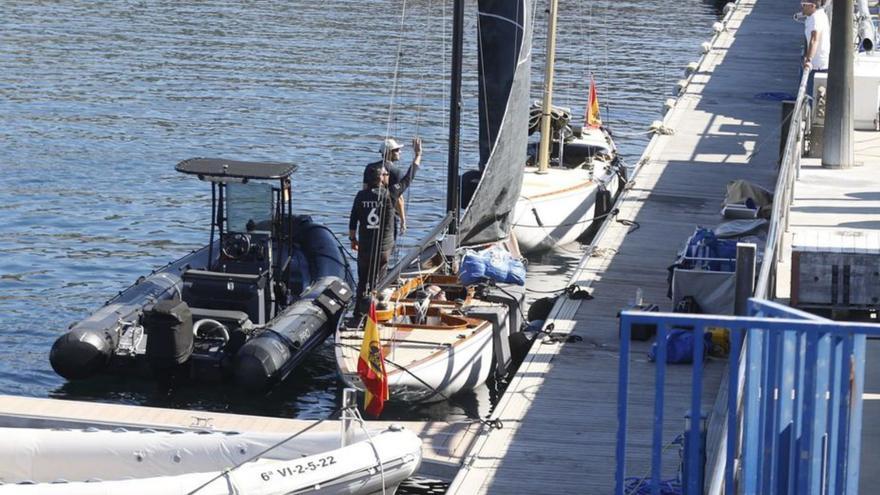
{"x": 557, "y": 206}
{"x": 463, "y": 365}
{"x": 554, "y": 209}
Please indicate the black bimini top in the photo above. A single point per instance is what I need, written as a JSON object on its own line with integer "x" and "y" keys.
{"x": 220, "y": 167}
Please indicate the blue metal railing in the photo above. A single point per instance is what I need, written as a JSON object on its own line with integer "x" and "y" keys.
{"x": 801, "y": 419}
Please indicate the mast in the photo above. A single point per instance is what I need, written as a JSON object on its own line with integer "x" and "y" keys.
{"x": 452, "y": 180}
{"x": 544, "y": 150}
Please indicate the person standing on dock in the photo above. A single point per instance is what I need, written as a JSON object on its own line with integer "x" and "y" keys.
{"x": 371, "y": 226}
{"x": 817, "y": 31}
{"x": 391, "y": 151}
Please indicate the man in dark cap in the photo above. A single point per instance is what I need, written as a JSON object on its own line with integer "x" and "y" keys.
{"x": 371, "y": 226}
{"x": 391, "y": 150}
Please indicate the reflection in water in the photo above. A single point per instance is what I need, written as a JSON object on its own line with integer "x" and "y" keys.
{"x": 99, "y": 100}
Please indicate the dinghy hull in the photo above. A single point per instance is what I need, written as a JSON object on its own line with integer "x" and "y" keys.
{"x": 105, "y": 462}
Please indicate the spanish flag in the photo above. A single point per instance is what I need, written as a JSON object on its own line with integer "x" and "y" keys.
{"x": 592, "y": 118}
{"x": 371, "y": 367}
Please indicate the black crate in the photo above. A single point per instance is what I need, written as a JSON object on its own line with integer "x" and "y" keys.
{"x": 642, "y": 332}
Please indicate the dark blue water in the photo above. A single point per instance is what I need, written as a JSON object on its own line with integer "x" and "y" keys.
{"x": 99, "y": 100}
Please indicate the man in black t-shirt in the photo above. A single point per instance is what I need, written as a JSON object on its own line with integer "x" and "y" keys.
{"x": 371, "y": 227}
{"x": 390, "y": 151}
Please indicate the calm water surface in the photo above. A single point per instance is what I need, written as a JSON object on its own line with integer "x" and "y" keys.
{"x": 99, "y": 100}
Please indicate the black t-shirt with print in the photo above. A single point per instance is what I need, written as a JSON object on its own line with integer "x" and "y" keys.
{"x": 372, "y": 215}
{"x": 373, "y": 211}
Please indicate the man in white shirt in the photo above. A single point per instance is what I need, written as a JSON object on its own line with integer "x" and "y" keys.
{"x": 817, "y": 30}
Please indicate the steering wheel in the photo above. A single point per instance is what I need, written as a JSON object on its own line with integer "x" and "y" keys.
{"x": 213, "y": 327}
{"x": 236, "y": 245}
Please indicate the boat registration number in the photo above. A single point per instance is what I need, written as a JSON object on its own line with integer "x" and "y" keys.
{"x": 295, "y": 469}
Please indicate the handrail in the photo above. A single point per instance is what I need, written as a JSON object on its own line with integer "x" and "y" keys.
{"x": 790, "y": 440}
{"x": 788, "y": 172}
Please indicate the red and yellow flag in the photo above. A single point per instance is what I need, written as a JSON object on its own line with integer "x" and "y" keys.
{"x": 371, "y": 367}
{"x": 592, "y": 119}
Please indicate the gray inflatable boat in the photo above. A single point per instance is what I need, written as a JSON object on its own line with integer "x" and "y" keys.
{"x": 248, "y": 307}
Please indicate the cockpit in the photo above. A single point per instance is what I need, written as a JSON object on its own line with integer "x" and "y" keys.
{"x": 251, "y": 265}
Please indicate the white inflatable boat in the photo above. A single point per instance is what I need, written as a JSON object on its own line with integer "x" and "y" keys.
{"x": 79, "y": 462}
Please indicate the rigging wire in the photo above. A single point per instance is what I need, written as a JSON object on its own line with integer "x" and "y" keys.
{"x": 384, "y": 196}
{"x": 402, "y": 368}
{"x": 382, "y": 193}
{"x": 360, "y": 420}
{"x": 396, "y": 73}
{"x": 419, "y": 106}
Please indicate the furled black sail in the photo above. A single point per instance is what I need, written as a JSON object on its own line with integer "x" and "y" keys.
{"x": 505, "y": 44}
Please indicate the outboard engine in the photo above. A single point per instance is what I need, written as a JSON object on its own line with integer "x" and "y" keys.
{"x": 169, "y": 328}
{"x": 269, "y": 357}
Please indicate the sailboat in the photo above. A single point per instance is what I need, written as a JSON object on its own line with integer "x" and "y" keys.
{"x": 569, "y": 184}
{"x": 439, "y": 336}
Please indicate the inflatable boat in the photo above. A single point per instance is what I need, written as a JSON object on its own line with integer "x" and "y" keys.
{"x": 87, "y": 462}
{"x": 248, "y": 307}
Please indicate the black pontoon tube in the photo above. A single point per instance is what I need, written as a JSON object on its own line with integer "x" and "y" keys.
{"x": 322, "y": 250}
{"x": 88, "y": 347}
{"x": 270, "y": 356}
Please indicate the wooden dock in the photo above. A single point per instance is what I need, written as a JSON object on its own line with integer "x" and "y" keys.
{"x": 559, "y": 412}
{"x": 558, "y": 416}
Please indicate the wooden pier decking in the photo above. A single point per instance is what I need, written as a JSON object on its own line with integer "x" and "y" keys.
{"x": 559, "y": 412}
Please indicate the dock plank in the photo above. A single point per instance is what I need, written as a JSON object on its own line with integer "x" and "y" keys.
{"x": 559, "y": 410}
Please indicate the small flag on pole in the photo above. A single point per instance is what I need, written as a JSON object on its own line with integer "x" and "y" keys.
{"x": 592, "y": 118}
{"x": 371, "y": 367}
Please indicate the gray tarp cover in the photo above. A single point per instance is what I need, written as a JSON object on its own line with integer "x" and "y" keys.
{"x": 714, "y": 291}
{"x": 505, "y": 60}
{"x": 740, "y": 190}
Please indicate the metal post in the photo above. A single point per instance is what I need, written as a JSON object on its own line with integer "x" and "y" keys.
{"x": 787, "y": 112}
{"x": 694, "y": 475}
{"x": 349, "y": 403}
{"x": 745, "y": 276}
{"x": 544, "y": 148}
{"x": 837, "y": 149}
{"x": 452, "y": 178}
